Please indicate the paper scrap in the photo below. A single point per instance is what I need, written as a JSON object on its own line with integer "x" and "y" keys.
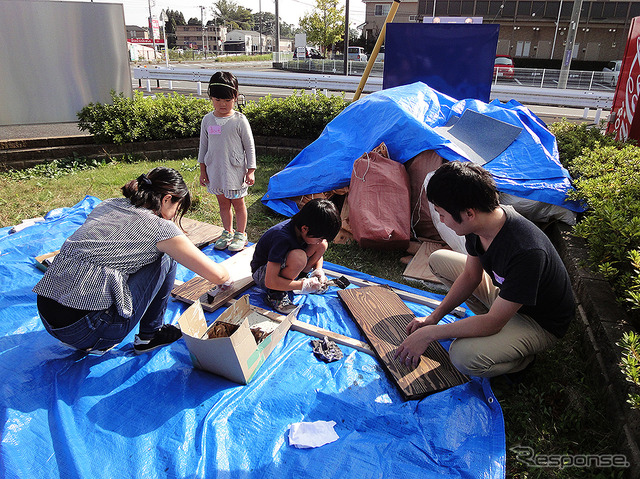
{"x": 312, "y": 434}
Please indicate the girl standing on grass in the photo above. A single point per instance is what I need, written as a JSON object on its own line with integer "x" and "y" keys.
{"x": 227, "y": 159}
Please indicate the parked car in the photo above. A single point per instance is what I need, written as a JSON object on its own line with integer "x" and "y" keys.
{"x": 503, "y": 67}
{"x": 309, "y": 53}
{"x": 356, "y": 54}
{"x": 612, "y": 72}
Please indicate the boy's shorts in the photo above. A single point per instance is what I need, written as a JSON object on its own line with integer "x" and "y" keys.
{"x": 231, "y": 194}
{"x": 261, "y": 272}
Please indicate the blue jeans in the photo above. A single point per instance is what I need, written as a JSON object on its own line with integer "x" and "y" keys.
{"x": 99, "y": 330}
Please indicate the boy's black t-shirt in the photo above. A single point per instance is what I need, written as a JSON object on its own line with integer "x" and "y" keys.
{"x": 523, "y": 263}
{"x": 275, "y": 244}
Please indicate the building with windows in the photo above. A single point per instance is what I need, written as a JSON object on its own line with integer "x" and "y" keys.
{"x": 192, "y": 36}
{"x": 135, "y": 32}
{"x": 528, "y": 29}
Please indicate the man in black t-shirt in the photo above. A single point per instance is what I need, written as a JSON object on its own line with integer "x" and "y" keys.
{"x": 511, "y": 267}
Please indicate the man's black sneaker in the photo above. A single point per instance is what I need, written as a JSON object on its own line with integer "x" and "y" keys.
{"x": 282, "y": 305}
{"x": 167, "y": 334}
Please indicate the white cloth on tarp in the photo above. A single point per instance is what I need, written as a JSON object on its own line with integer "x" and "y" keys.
{"x": 312, "y": 434}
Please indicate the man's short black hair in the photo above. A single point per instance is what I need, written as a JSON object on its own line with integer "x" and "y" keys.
{"x": 460, "y": 185}
{"x": 321, "y": 217}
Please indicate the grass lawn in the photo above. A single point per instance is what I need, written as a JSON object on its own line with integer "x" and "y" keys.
{"x": 557, "y": 409}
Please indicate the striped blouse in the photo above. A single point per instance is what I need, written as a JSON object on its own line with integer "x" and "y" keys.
{"x": 94, "y": 264}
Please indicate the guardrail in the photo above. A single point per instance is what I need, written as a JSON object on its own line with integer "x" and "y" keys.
{"x": 535, "y": 95}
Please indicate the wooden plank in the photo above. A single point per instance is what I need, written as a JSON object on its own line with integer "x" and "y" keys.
{"x": 201, "y": 234}
{"x": 383, "y": 318}
{"x": 314, "y": 331}
{"x": 418, "y": 268}
{"x": 460, "y": 312}
{"x": 196, "y": 288}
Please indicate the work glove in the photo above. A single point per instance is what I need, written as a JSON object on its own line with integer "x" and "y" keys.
{"x": 220, "y": 288}
{"x": 319, "y": 273}
{"x": 309, "y": 285}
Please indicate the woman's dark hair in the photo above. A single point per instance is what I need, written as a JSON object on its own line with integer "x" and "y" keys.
{"x": 321, "y": 217}
{"x": 148, "y": 190}
{"x": 223, "y": 85}
{"x": 460, "y": 185}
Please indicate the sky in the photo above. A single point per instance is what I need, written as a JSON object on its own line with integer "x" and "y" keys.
{"x": 137, "y": 11}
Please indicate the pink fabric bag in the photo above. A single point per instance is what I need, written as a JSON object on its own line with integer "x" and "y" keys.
{"x": 379, "y": 202}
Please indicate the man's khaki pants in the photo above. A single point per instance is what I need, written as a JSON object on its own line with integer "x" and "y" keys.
{"x": 507, "y": 351}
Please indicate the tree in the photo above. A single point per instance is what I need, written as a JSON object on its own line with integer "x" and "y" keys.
{"x": 175, "y": 18}
{"x": 228, "y": 12}
{"x": 325, "y": 25}
{"x": 194, "y": 21}
{"x": 269, "y": 24}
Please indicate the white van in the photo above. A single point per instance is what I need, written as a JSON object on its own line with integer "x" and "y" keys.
{"x": 357, "y": 54}
{"x": 612, "y": 72}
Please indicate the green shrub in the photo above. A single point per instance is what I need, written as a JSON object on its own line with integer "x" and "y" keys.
{"x": 608, "y": 181}
{"x": 297, "y": 116}
{"x": 630, "y": 364}
{"x": 141, "y": 118}
{"x": 573, "y": 138}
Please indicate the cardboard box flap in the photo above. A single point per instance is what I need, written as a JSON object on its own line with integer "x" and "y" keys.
{"x": 236, "y": 357}
{"x": 192, "y": 322}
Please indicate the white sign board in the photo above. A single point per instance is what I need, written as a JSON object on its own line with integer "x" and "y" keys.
{"x": 301, "y": 40}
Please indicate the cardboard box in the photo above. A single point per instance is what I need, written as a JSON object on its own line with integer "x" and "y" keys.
{"x": 236, "y": 357}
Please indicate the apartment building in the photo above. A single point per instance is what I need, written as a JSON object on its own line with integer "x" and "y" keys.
{"x": 528, "y": 29}
{"x": 192, "y": 36}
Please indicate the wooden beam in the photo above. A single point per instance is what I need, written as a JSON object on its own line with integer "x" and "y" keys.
{"x": 312, "y": 330}
{"x": 460, "y": 312}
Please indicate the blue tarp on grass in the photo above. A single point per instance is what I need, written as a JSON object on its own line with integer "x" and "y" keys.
{"x": 405, "y": 118}
{"x": 68, "y": 415}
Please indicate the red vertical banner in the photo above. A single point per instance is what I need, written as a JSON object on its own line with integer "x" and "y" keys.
{"x": 625, "y": 118}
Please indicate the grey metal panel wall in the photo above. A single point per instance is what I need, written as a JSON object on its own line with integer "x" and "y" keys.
{"x": 56, "y": 57}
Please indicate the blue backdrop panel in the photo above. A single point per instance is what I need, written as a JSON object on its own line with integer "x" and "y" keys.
{"x": 64, "y": 414}
{"x": 455, "y": 59}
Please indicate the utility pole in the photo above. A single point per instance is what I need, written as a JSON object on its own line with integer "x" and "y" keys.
{"x": 276, "y": 57}
{"x": 202, "y": 21}
{"x": 260, "y": 8}
{"x": 568, "y": 49}
{"x": 346, "y": 37}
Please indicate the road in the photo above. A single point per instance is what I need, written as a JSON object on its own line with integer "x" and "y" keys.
{"x": 548, "y": 114}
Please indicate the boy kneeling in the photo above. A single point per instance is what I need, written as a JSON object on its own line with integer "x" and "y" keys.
{"x": 288, "y": 256}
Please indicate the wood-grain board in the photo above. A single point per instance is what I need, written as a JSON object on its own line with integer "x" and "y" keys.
{"x": 201, "y": 234}
{"x": 196, "y": 288}
{"x": 418, "y": 268}
{"x": 383, "y": 317}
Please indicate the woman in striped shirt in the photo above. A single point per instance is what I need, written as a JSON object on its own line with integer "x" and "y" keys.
{"x": 118, "y": 268}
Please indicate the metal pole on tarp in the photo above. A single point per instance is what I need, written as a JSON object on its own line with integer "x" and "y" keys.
{"x": 376, "y": 48}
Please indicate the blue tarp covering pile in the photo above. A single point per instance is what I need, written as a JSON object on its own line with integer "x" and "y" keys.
{"x": 405, "y": 119}
{"x": 68, "y": 415}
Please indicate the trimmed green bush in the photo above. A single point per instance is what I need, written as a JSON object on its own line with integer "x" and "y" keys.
{"x": 573, "y": 138}
{"x": 607, "y": 178}
{"x": 297, "y": 116}
{"x": 141, "y": 118}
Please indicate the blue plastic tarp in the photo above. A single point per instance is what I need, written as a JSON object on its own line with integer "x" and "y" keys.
{"x": 68, "y": 415}
{"x": 405, "y": 118}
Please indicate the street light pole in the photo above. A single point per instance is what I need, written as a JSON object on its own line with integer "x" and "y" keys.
{"x": 555, "y": 35}
{"x": 165, "y": 18}
{"x": 153, "y": 40}
{"x": 202, "y": 21}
